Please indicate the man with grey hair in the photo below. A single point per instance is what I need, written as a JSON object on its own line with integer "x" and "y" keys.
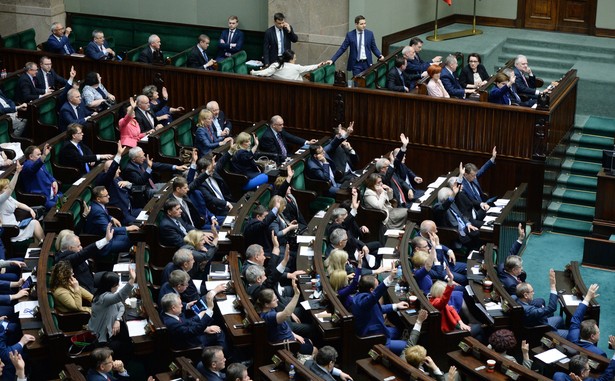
{"x": 145, "y": 115}
{"x": 257, "y": 279}
{"x": 152, "y": 53}
{"x": 445, "y": 257}
{"x": 402, "y": 192}
{"x": 183, "y": 259}
{"x": 98, "y": 49}
{"x": 525, "y": 79}
{"x": 540, "y": 315}
{"x": 275, "y": 139}
{"x": 511, "y": 271}
{"x": 323, "y": 365}
{"x": 71, "y": 250}
{"x": 58, "y": 41}
{"x": 26, "y": 85}
{"x": 222, "y": 125}
{"x": 447, "y": 214}
{"x": 449, "y": 79}
{"x": 73, "y": 111}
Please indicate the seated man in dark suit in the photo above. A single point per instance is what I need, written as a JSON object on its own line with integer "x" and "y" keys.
{"x": 321, "y": 167}
{"x": 369, "y": 313}
{"x": 98, "y": 49}
{"x": 196, "y": 331}
{"x": 231, "y": 39}
{"x": 58, "y": 41}
{"x": 180, "y": 283}
{"x": 579, "y": 369}
{"x": 402, "y": 192}
{"x": 405, "y": 174}
{"x": 275, "y": 139}
{"x": 71, "y": 250}
{"x": 525, "y": 82}
{"x": 7, "y": 106}
{"x": 98, "y": 219}
{"x": 26, "y": 85}
{"x": 449, "y": 80}
{"x": 119, "y": 189}
{"x": 323, "y": 365}
{"x": 415, "y": 64}
{"x": 237, "y": 372}
{"x": 105, "y": 368}
{"x": 211, "y": 186}
{"x": 47, "y": 78}
{"x": 471, "y": 187}
{"x": 73, "y": 111}
{"x": 145, "y": 115}
{"x": 398, "y": 79}
{"x": 36, "y": 179}
{"x": 445, "y": 257}
{"x": 152, "y": 52}
{"x": 221, "y": 124}
{"x": 190, "y": 214}
{"x": 198, "y": 58}
{"x": 540, "y": 315}
{"x": 77, "y": 155}
{"x": 212, "y": 364}
{"x": 139, "y": 172}
{"x": 586, "y": 333}
{"x": 256, "y": 230}
{"x": 447, "y": 214}
{"x": 172, "y": 228}
{"x": 184, "y": 260}
{"x": 511, "y": 271}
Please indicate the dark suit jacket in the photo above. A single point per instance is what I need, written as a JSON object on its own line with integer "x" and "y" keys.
{"x": 97, "y": 220}
{"x": 55, "y": 81}
{"x": 11, "y": 105}
{"x": 443, "y": 213}
{"x": 574, "y": 331}
{"x": 205, "y": 140}
{"x": 138, "y": 175}
{"x": 467, "y": 75}
{"x": 606, "y": 376}
{"x": 468, "y": 188}
{"x": 188, "y": 332}
{"x": 118, "y": 197}
{"x": 501, "y": 95}
{"x": 147, "y": 56}
{"x": 320, "y": 372}
{"x": 417, "y": 65}
{"x": 270, "y": 44}
{"x": 525, "y": 85}
{"x": 197, "y": 219}
{"x": 143, "y": 121}
{"x": 93, "y": 51}
{"x": 26, "y": 91}
{"x": 343, "y": 159}
{"x": 80, "y": 267}
{"x": 191, "y": 293}
{"x": 223, "y": 121}
{"x": 368, "y": 313}
{"x": 269, "y": 145}
{"x": 170, "y": 234}
{"x": 214, "y": 204}
{"x": 57, "y": 46}
{"x": 67, "y": 115}
{"x": 243, "y": 162}
{"x": 351, "y": 42}
{"x": 534, "y": 315}
{"x": 224, "y": 48}
{"x": 451, "y": 84}
{"x": 394, "y": 80}
{"x": 196, "y": 60}
{"x": 211, "y": 376}
{"x": 93, "y": 375}
{"x": 257, "y": 231}
{"x": 404, "y": 173}
{"x": 316, "y": 169}
{"x": 70, "y": 156}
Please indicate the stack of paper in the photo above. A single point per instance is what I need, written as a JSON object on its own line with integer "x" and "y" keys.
{"x": 219, "y": 271}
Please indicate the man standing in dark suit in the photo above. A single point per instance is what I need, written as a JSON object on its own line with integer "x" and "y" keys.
{"x": 415, "y": 64}
{"x": 449, "y": 81}
{"x": 58, "y": 41}
{"x": 231, "y": 39}
{"x": 119, "y": 189}
{"x": 362, "y": 44}
{"x": 73, "y": 111}
{"x": 47, "y": 78}
{"x": 26, "y": 85}
{"x": 398, "y": 79}
{"x": 98, "y": 49}
{"x": 278, "y": 39}
{"x": 323, "y": 365}
{"x": 198, "y": 58}
{"x": 77, "y": 155}
{"x": 275, "y": 139}
{"x": 152, "y": 53}
{"x": 221, "y": 124}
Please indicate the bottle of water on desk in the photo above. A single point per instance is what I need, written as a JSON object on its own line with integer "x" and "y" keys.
{"x": 291, "y": 373}
{"x": 318, "y": 284}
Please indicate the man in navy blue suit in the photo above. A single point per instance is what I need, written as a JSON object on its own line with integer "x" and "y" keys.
{"x": 36, "y": 179}
{"x": 98, "y": 49}
{"x": 26, "y": 85}
{"x": 77, "y": 155}
{"x": 445, "y": 257}
{"x": 511, "y": 271}
{"x": 221, "y": 124}
{"x": 415, "y": 64}
{"x": 231, "y": 39}
{"x": 278, "y": 39}
{"x": 172, "y": 227}
{"x": 449, "y": 81}
{"x": 540, "y": 315}
{"x": 198, "y": 58}
{"x": 579, "y": 369}
{"x": 212, "y": 364}
{"x": 73, "y": 111}
{"x": 398, "y": 79}
{"x": 11, "y": 356}
{"x": 47, "y": 78}
{"x": 471, "y": 187}
{"x": 321, "y": 167}
{"x": 362, "y": 44}
{"x": 98, "y": 219}
{"x": 105, "y": 368}
{"x": 58, "y": 40}
{"x": 586, "y": 333}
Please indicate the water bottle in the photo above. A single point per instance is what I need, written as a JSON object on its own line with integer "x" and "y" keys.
{"x": 397, "y": 288}
{"x": 318, "y": 285}
{"x": 291, "y": 373}
{"x": 399, "y": 272}
{"x": 3, "y": 73}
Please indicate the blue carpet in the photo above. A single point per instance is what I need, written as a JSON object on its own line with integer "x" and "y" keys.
{"x": 551, "y": 250}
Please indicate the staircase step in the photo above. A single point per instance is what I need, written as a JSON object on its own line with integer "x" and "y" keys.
{"x": 572, "y": 196}
{"x": 600, "y": 126}
{"x": 512, "y": 50}
{"x": 578, "y": 212}
{"x": 577, "y": 182}
{"x": 581, "y": 167}
{"x": 591, "y": 155}
{"x": 591, "y": 141}
{"x": 549, "y": 44}
{"x": 568, "y": 226}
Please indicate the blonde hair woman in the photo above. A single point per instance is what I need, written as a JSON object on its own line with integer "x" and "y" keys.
{"x": 205, "y": 137}
{"x": 242, "y": 160}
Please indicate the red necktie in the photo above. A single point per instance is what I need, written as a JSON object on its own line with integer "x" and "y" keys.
{"x": 401, "y": 192}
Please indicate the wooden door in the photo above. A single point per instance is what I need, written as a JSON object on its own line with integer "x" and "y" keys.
{"x": 541, "y": 14}
{"x": 572, "y": 16}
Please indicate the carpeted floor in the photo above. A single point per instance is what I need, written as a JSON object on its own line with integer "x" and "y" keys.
{"x": 552, "y": 250}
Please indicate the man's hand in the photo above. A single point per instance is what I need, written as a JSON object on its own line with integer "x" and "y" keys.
{"x": 165, "y": 93}
{"x": 494, "y": 154}
{"x": 452, "y": 374}
{"x": 404, "y": 140}
{"x": 116, "y": 222}
{"x": 295, "y": 318}
{"x": 312, "y": 141}
{"x": 430, "y": 363}
{"x": 472, "y": 228}
{"x": 418, "y": 180}
{"x": 18, "y": 263}
{"x": 118, "y": 366}
{"x": 521, "y": 232}
{"x": 484, "y": 206}
{"x": 364, "y": 229}
{"x": 181, "y": 168}
{"x": 275, "y": 242}
{"x": 381, "y": 58}
{"x": 456, "y": 189}
{"x": 109, "y": 233}
{"x": 289, "y": 173}
{"x": 592, "y": 292}
{"x": 150, "y": 162}
{"x": 212, "y": 330}
{"x": 345, "y": 377}
{"x": 73, "y": 72}
{"x": 18, "y": 363}
{"x": 67, "y": 31}
{"x": 552, "y": 280}
{"x": 451, "y": 257}
{"x": 450, "y": 277}
{"x": 410, "y": 194}
{"x": 402, "y": 306}
{"x": 422, "y": 316}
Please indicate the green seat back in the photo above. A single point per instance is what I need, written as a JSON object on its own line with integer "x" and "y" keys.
{"x": 50, "y": 299}
{"x": 261, "y": 130}
{"x": 5, "y": 136}
{"x": 124, "y": 161}
{"x": 381, "y": 73}
{"x": 27, "y": 39}
{"x": 11, "y": 41}
{"x": 48, "y": 164}
{"x": 239, "y": 61}
{"x": 180, "y": 59}
{"x": 146, "y": 255}
{"x": 47, "y": 113}
{"x": 148, "y": 276}
{"x": 226, "y": 65}
{"x": 167, "y": 143}
{"x": 318, "y": 75}
{"x": 75, "y": 211}
{"x": 183, "y": 133}
{"x": 298, "y": 178}
{"x": 133, "y": 54}
{"x": 370, "y": 80}
{"x": 390, "y": 64}
{"x": 9, "y": 85}
{"x": 264, "y": 199}
{"x": 56, "y": 151}
{"x": 106, "y": 127}
{"x": 329, "y": 74}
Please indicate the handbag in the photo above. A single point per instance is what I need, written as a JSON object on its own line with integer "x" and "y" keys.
{"x": 80, "y": 342}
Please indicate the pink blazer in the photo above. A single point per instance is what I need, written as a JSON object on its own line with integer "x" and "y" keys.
{"x": 436, "y": 91}
{"x": 130, "y": 132}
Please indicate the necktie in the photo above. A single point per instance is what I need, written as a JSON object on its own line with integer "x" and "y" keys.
{"x": 281, "y": 47}
{"x": 181, "y": 227}
{"x": 282, "y": 146}
{"x": 214, "y": 185}
{"x": 403, "y": 83}
{"x": 401, "y": 192}
{"x": 33, "y": 81}
{"x": 149, "y": 118}
{"x": 460, "y": 223}
{"x": 476, "y": 192}
{"x": 76, "y": 112}
{"x": 327, "y": 168}
{"x": 184, "y": 205}
{"x": 359, "y": 46}
{"x": 67, "y": 48}
{"x": 48, "y": 80}
{"x": 102, "y": 49}
{"x": 230, "y": 36}
{"x": 151, "y": 182}
{"x": 205, "y": 56}
{"x": 87, "y": 167}
{"x": 516, "y": 96}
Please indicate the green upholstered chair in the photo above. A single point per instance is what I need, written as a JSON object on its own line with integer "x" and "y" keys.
{"x": 239, "y": 62}
{"x": 226, "y": 65}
